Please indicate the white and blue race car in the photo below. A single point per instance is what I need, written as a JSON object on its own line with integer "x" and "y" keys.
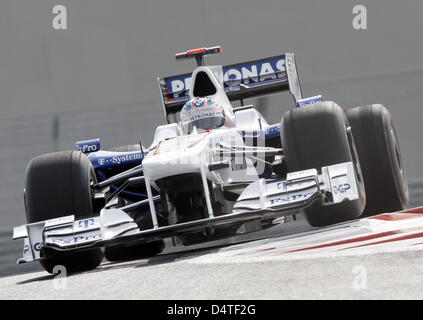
{"x": 213, "y": 171}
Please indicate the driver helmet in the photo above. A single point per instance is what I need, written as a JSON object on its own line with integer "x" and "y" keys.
{"x": 202, "y": 113}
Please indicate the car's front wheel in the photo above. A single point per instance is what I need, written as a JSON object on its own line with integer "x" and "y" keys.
{"x": 59, "y": 184}
{"x": 316, "y": 136}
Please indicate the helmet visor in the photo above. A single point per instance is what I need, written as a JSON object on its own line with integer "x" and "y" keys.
{"x": 206, "y": 123}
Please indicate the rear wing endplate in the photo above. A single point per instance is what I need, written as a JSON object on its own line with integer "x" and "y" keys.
{"x": 241, "y": 81}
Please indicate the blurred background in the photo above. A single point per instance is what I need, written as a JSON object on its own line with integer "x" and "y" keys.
{"x": 98, "y": 78}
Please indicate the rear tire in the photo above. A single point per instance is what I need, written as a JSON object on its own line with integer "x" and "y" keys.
{"x": 316, "y": 136}
{"x": 57, "y": 185}
{"x": 380, "y": 158}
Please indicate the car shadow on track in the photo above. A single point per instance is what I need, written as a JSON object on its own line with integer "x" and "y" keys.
{"x": 139, "y": 263}
{"x": 169, "y": 256}
{"x": 177, "y": 253}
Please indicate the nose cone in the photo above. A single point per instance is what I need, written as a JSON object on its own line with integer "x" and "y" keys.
{"x": 175, "y": 157}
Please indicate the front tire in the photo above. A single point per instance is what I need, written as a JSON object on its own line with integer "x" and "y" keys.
{"x": 384, "y": 175}
{"x": 316, "y": 136}
{"x": 57, "y": 185}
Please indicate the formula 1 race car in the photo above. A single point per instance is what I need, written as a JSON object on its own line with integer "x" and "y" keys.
{"x": 213, "y": 171}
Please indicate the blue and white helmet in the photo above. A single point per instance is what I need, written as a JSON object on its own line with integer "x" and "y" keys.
{"x": 203, "y": 114}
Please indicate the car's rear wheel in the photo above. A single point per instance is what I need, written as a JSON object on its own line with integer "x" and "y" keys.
{"x": 316, "y": 136}
{"x": 380, "y": 157}
{"x": 57, "y": 185}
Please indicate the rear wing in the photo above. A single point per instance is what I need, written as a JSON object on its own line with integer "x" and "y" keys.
{"x": 241, "y": 81}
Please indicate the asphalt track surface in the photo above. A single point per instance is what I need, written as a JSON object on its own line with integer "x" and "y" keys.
{"x": 378, "y": 258}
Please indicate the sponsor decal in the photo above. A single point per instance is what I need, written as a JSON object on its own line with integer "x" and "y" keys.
{"x": 58, "y": 221}
{"x": 38, "y": 246}
{"x": 310, "y": 173}
{"x": 120, "y": 159}
{"x": 273, "y": 131}
{"x": 26, "y": 249}
{"x": 281, "y": 185}
{"x": 201, "y": 115}
{"x": 307, "y": 101}
{"x": 253, "y": 73}
{"x": 294, "y": 197}
{"x": 342, "y": 188}
{"x": 76, "y": 240}
{"x": 198, "y": 102}
{"x": 86, "y": 223}
{"x": 188, "y": 106}
{"x": 88, "y": 146}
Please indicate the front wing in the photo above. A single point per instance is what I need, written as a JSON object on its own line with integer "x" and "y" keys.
{"x": 263, "y": 199}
